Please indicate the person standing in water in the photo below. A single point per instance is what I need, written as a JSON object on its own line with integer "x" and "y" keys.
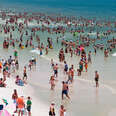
{"x": 15, "y": 54}
{"x": 65, "y": 67}
{"x": 89, "y": 57}
{"x": 86, "y": 65}
{"x": 46, "y": 49}
{"x": 96, "y": 78}
{"x": 41, "y": 52}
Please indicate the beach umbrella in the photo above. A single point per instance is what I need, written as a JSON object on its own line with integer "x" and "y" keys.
{"x": 4, "y": 113}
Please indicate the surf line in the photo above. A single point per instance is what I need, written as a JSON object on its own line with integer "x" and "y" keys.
{"x": 113, "y": 91}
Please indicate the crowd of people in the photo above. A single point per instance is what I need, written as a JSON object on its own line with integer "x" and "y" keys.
{"x": 81, "y": 30}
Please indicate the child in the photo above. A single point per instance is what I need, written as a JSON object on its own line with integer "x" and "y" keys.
{"x": 29, "y": 103}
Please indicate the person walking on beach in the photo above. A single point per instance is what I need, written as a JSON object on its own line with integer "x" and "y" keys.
{"x": 52, "y": 82}
{"x": 62, "y": 110}
{"x": 52, "y": 110}
{"x": 55, "y": 70}
{"x": 20, "y": 104}
{"x": 17, "y": 64}
{"x": 95, "y": 51}
{"x": 25, "y": 73}
{"x": 96, "y": 78}
{"x": 14, "y": 97}
{"x": 86, "y": 65}
{"x": 72, "y": 73}
{"x": 13, "y": 66}
{"x": 65, "y": 90}
{"x": 29, "y": 103}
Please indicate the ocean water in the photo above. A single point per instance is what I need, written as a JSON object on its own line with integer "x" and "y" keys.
{"x": 69, "y": 7}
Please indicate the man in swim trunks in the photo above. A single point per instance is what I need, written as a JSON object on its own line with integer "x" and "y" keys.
{"x": 65, "y": 90}
{"x": 55, "y": 70}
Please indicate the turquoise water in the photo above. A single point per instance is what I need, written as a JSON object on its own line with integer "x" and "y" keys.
{"x": 71, "y": 7}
